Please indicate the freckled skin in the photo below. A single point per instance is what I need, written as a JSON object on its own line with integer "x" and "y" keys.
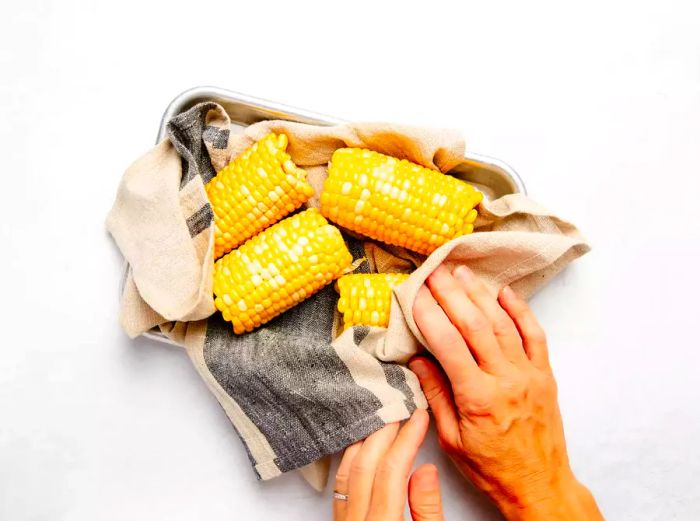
{"x": 494, "y": 399}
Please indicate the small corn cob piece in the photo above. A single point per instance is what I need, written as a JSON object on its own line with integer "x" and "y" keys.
{"x": 396, "y": 201}
{"x": 278, "y": 268}
{"x": 254, "y": 191}
{"x": 365, "y": 298}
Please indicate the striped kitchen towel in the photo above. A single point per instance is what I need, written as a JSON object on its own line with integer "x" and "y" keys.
{"x": 294, "y": 389}
{"x": 292, "y": 394}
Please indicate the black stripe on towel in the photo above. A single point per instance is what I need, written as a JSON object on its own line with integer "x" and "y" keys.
{"x": 200, "y": 220}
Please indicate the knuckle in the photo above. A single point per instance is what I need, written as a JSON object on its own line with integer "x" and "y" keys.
{"x": 452, "y": 293}
{"x": 503, "y": 326}
{"x": 475, "y": 322}
{"x": 479, "y": 405}
{"x": 478, "y": 408}
{"x": 388, "y": 467}
{"x": 474, "y": 396}
{"x": 536, "y": 335}
{"x": 361, "y": 467}
{"x": 517, "y": 392}
{"x": 478, "y": 291}
{"x": 451, "y": 296}
{"x": 543, "y": 383}
{"x": 446, "y": 445}
{"x": 432, "y": 392}
{"x": 471, "y": 283}
{"x": 449, "y": 338}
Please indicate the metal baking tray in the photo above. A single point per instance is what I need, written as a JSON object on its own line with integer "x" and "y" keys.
{"x": 492, "y": 176}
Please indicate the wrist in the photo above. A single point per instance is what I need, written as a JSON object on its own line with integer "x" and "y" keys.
{"x": 562, "y": 499}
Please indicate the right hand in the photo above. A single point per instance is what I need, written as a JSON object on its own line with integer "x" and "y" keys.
{"x": 495, "y": 399}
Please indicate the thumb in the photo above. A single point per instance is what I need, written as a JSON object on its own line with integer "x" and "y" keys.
{"x": 424, "y": 494}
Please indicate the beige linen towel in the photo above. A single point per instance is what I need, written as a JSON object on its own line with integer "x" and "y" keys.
{"x": 295, "y": 391}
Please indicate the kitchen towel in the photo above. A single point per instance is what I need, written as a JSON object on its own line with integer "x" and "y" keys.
{"x": 294, "y": 389}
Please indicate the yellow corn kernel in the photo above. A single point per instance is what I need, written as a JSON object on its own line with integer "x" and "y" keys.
{"x": 365, "y": 298}
{"x": 254, "y": 191}
{"x": 272, "y": 272}
{"x": 396, "y": 201}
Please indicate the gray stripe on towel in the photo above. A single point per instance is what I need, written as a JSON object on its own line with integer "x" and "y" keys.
{"x": 290, "y": 382}
{"x": 397, "y": 379}
{"x": 218, "y": 137}
{"x": 394, "y": 373}
{"x": 186, "y": 134}
{"x": 200, "y": 220}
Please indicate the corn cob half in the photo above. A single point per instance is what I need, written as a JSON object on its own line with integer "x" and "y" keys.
{"x": 254, "y": 191}
{"x": 365, "y": 298}
{"x": 278, "y": 268}
{"x": 396, "y": 201}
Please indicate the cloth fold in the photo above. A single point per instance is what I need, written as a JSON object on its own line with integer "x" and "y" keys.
{"x": 294, "y": 389}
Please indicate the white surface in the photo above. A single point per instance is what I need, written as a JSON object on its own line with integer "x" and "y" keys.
{"x": 597, "y": 106}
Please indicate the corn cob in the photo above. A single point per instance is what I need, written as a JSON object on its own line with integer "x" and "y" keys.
{"x": 278, "y": 268}
{"x": 365, "y": 299}
{"x": 397, "y": 202}
{"x": 254, "y": 191}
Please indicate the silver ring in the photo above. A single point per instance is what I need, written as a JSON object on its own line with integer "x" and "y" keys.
{"x": 339, "y": 496}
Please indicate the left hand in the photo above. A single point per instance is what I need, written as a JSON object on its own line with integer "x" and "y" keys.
{"x": 374, "y": 477}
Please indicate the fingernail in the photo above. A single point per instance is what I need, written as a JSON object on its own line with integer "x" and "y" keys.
{"x": 429, "y": 473}
{"x": 463, "y": 273}
{"x": 426, "y": 478}
{"x": 507, "y": 292}
{"x": 417, "y": 366}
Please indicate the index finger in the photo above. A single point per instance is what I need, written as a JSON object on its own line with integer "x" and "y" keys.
{"x": 364, "y": 467}
{"x": 444, "y": 340}
{"x": 390, "y": 484}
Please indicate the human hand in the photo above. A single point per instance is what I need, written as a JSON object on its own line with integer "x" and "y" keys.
{"x": 371, "y": 482}
{"x": 495, "y": 399}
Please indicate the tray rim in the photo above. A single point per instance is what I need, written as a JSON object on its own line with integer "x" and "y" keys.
{"x": 185, "y": 99}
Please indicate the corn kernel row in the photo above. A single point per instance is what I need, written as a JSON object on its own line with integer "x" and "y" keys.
{"x": 278, "y": 268}
{"x": 255, "y": 190}
{"x": 397, "y": 202}
{"x": 365, "y": 299}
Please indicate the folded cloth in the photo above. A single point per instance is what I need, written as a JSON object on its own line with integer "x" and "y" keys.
{"x": 294, "y": 391}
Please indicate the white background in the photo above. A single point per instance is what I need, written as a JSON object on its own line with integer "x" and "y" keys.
{"x": 597, "y": 105}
